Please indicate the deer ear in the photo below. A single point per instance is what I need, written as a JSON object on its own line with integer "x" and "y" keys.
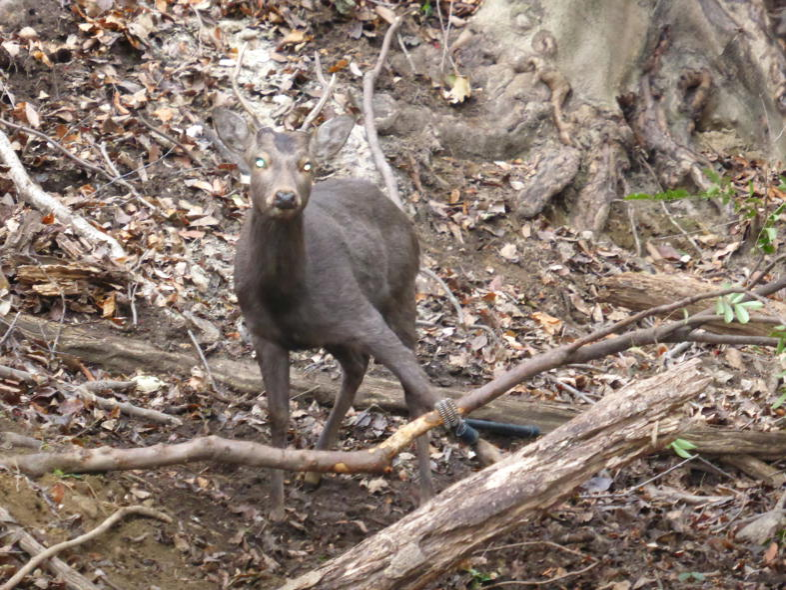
{"x": 330, "y": 137}
{"x": 232, "y": 129}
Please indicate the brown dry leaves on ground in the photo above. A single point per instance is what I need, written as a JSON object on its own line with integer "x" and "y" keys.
{"x": 128, "y": 89}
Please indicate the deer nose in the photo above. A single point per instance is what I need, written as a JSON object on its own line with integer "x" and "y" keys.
{"x": 285, "y": 200}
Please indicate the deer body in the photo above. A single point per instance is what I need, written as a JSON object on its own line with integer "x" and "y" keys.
{"x": 332, "y": 265}
{"x": 304, "y": 282}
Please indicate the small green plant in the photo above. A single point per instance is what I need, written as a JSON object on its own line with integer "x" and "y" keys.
{"x": 60, "y": 474}
{"x": 682, "y": 448}
{"x": 479, "y": 578}
{"x": 731, "y": 307}
{"x": 427, "y": 8}
{"x": 749, "y": 206}
{"x": 344, "y": 7}
{"x": 685, "y": 577}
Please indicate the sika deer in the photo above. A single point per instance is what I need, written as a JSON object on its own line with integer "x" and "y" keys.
{"x": 329, "y": 264}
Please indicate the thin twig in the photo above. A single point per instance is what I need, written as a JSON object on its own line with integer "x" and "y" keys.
{"x": 569, "y": 388}
{"x": 634, "y": 233}
{"x": 538, "y": 543}
{"x": 10, "y": 328}
{"x": 664, "y": 473}
{"x": 406, "y": 53}
{"x": 70, "y": 577}
{"x": 58, "y": 147}
{"x": 460, "y": 315}
{"x": 546, "y": 581}
{"x": 761, "y": 275}
{"x": 680, "y": 228}
{"x": 119, "y": 178}
{"x": 216, "y": 391}
{"x": 369, "y": 80}
{"x": 657, "y": 310}
{"x": 127, "y": 408}
{"x": 236, "y": 90}
{"x": 196, "y": 159}
{"x": 101, "y": 529}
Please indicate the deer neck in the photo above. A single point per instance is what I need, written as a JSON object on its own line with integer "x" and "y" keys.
{"x": 281, "y": 247}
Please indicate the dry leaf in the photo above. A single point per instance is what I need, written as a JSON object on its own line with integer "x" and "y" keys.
{"x": 108, "y": 306}
{"x": 548, "y": 323}
{"x": 164, "y": 114}
{"x": 11, "y": 47}
{"x": 460, "y": 90}
{"x": 28, "y": 33}
{"x": 57, "y": 492}
{"x": 293, "y": 38}
{"x": 340, "y": 65}
{"x": 509, "y": 252}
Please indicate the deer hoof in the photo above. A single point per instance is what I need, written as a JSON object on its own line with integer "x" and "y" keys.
{"x": 312, "y": 480}
{"x": 488, "y": 454}
{"x": 277, "y": 514}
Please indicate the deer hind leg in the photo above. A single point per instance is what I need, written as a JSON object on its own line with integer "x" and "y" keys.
{"x": 354, "y": 364}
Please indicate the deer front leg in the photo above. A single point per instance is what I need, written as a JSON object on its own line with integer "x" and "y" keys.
{"x": 274, "y": 364}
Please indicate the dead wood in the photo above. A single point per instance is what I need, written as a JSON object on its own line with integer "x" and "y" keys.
{"x": 641, "y": 291}
{"x": 417, "y": 549}
{"x": 29, "y": 544}
{"x": 40, "y": 557}
{"x": 756, "y": 468}
{"x": 43, "y": 201}
{"x": 122, "y": 353}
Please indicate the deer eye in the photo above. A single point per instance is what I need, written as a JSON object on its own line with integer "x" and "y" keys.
{"x": 260, "y": 163}
{"x": 307, "y": 167}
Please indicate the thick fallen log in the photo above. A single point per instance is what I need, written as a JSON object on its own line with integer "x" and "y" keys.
{"x": 122, "y": 353}
{"x": 427, "y": 543}
{"x": 641, "y": 291}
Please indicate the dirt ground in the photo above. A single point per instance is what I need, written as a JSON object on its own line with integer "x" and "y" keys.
{"x": 532, "y": 283}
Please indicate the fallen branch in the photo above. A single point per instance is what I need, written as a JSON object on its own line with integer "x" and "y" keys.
{"x": 426, "y": 543}
{"x": 118, "y": 353}
{"x": 127, "y": 408}
{"x": 29, "y": 544}
{"x": 38, "y": 198}
{"x": 85, "y": 391}
{"x": 109, "y": 522}
{"x": 641, "y": 291}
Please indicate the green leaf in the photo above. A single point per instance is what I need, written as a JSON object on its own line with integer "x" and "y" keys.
{"x": 638, "y": 196}
{"x": 719, "y": 306}
{"x": 752, "y": 305}
{"x": 729, "y": 314}
{"x": 712, "y": 175}
{"x": 684, "y": 443}
{"x": 779, "y": 401}
{"x": 736, "y": 297}
{"x": 682, "y": 448}
{"x": 741, "y": 313}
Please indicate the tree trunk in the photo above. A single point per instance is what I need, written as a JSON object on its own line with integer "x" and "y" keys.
{"x": 632, "y": 422}
{"x": 603, "y": 98}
